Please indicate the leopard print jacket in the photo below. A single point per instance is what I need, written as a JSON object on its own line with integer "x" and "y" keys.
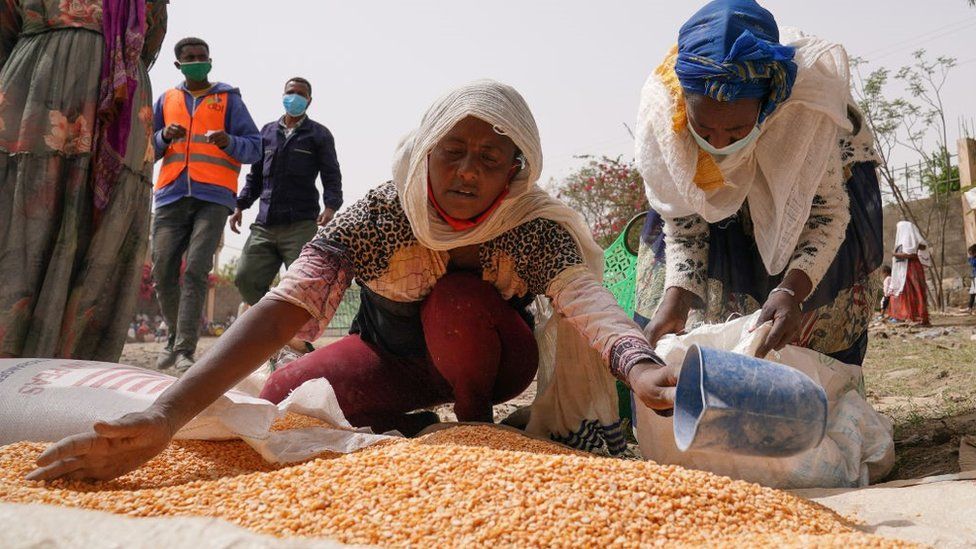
{"x": 372, "y": 242}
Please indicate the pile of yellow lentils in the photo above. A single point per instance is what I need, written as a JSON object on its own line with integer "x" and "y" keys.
{"x": 470, "y": 486}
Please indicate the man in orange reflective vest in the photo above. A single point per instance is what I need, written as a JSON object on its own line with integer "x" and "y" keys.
{"x": 203, "y": 134}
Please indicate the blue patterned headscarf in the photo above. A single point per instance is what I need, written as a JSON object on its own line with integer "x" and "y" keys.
{"x": 730, "y": 50}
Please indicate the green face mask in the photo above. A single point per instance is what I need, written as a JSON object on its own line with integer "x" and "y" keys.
{"x": 196, "y": 71}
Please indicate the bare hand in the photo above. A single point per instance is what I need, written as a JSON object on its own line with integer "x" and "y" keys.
{"x": 654, "y": 384}
{"x": 173, "y": 132}
{"x": 235, "y": 220}
{"x": 325, "y": 217}
{"x": 115, "y": 448}
{"x": 219, "y": 138}
{"x": 784, "y": 310}
{"x": 671, "y": 315}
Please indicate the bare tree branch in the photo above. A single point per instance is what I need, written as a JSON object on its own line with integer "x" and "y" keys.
{"x": 913, "y": 124}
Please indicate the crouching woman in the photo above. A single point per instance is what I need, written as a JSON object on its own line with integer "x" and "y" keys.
{"x": 448, "y": 256}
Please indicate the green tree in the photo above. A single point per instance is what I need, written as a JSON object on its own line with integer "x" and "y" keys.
{"x": 607, "y": 191}
{"x": 938, "y": 175}
{"x": 227, "y": 272}
{"x": 925, "y": 121}
{"x": 884, "y": 117}
{"x": 915, "y": 123}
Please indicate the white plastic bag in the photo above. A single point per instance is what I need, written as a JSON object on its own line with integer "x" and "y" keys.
{"x": 41, "y": 526}
{"x": 857, "y": 449}
{"x": 935, "y": 511}
{"x": 253, "y": 383}
{"x": 45, "y": 400}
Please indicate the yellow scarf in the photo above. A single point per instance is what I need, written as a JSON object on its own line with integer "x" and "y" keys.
{"x": 708, "y": 177}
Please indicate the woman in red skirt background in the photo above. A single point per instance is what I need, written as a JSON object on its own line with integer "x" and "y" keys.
{"x": 908, "y": 301}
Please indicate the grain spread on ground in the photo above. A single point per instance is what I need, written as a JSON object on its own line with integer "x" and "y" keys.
{"x": 461, "y": 487}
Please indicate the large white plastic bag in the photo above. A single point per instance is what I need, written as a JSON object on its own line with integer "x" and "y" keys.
{"x": 857, "y": 448}
{"x": 45, "y": 400}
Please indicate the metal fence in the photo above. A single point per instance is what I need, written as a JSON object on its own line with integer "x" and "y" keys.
{"x": 910, "y": 182}
{"x": 345, "y": 313}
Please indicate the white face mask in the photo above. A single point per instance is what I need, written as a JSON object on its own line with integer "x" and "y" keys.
{"x": 728, "y": 149}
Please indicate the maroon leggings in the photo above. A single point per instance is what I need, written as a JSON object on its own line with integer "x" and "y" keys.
{"x": 479, "y": 352}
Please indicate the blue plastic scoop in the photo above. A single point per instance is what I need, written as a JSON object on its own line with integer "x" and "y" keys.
{"x": 732, "y": 403}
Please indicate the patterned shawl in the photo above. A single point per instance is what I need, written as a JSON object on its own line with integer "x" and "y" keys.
{"x": 730, "y": 50}
{"x": 124, "y": 32}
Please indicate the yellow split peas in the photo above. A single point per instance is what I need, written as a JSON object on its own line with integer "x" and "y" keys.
{"x": 461, "y": 487}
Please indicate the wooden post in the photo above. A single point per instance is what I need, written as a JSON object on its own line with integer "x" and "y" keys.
{"x": 967, "y": 163}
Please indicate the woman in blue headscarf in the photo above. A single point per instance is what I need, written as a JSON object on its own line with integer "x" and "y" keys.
{"x": 760, "y": 174}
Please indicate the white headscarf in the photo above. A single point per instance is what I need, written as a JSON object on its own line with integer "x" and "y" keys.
{"x": 565, "y": 358}
{"x": 779, "y": 173}
{"x": 908, "y": 239}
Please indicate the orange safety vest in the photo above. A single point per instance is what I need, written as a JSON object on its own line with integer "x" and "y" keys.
{"x": 206, "y": 162}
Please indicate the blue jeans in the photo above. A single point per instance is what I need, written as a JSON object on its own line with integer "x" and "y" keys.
{"x": 193, "y": 227}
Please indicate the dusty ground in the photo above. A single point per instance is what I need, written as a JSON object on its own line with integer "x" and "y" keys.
{"x": 924, "y": 379}
{"x": 144, "y": 354}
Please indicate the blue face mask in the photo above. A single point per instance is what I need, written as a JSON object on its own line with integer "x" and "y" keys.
{"x": 295, "y": 104}
{"x": 728, "y": 149}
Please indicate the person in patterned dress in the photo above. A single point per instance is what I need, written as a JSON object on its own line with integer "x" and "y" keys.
{"x": 760, "y": 173}
{"x": 75, "y": 172}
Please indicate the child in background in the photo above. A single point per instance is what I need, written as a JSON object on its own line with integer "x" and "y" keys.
{"x": 162, "y": 331}
{"x": 886, "y": 299}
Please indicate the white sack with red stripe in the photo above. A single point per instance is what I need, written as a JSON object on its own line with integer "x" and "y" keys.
{"x": 45, "y": 400}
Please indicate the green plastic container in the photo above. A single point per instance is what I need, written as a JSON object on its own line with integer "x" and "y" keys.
{"x": 620, "y": 266}
{"x": 620, "y": 277}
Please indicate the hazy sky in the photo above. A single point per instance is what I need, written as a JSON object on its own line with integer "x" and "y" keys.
{"x": 376, "y": 65}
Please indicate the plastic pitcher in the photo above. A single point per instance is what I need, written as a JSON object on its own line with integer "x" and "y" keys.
{"x": 732, "y": 403}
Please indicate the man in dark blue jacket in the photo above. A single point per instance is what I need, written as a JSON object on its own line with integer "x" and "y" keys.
{"x": 297, "y": 150}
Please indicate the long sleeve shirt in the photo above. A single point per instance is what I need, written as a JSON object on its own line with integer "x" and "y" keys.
{"x": 284, "y": 179}
{"x": 888, "y": 287}
{"x": 244, "y": 146}
{"x": 687, "y": 238}
{"x": 372, "y": 242}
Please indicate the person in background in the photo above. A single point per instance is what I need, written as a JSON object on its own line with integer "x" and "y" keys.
{"x": 886, "y": 296}
{"x": 908, "y": 287}
{"x": 161, "y": 331}
{"x": 75, "y": 172}
{"x": 972, "y": 283}
{"x": 297, "y": 151}
{"x": 203, "y": 134}
{"x": 142, "y": 333}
